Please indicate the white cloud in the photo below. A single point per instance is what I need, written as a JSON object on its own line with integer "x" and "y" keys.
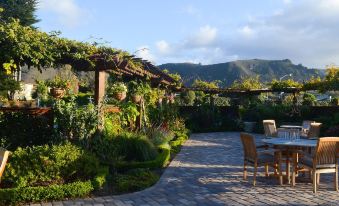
{"x": 68, "y": 12}
{"x": 287, "y": 1}
{"x": 191, "y": 10}
{"x": 145, "y": 53}
{"x": 305, "y": 31}
{"x": 246, "y": 31}
{"x": 204, "y": 37}
{"x": 163, "y": 47}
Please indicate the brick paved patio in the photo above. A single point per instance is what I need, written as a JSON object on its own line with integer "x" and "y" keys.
{"x": 208, "y": 171}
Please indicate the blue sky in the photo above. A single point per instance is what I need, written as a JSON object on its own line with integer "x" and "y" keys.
{"x": 208, "y": 32}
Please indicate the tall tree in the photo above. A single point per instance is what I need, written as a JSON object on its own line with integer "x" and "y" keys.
{"x": 19, "y": 9}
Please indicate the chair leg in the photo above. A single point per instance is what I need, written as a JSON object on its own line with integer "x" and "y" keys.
{"x": 245, "y": 170}
{"x": 318, "y": 178}
{"x": 336, "y": 180}
{"x": 280, "y": 176}
{"x": 288, "y": 171}
{"x": 293, "y": 178}
{"x": 255, "y": 173}
{"x": 314, "y": 182}
{"x": 266, "y": 170}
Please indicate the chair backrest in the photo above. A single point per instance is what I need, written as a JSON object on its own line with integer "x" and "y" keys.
{"x": 3, "y": 160}
{"x": 307, "y": 124}
{"x": 314, "y": 130}
{"x": 326, "y": 151}
{"x": 250, "y": 149}
{"x": 270, "y": 128}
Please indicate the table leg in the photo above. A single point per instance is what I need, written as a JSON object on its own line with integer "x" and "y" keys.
{"x": 288, "y": 164}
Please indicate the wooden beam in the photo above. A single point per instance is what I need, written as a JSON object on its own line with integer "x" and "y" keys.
{"x": 100, "y": 84}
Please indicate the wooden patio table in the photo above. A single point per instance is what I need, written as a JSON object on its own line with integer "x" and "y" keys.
{"x": 289, "y": 146}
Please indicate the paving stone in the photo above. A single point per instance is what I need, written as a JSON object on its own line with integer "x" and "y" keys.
{"x": 208, "y": 171}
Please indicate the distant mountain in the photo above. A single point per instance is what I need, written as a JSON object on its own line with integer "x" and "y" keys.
{"x": 230, "y": 71}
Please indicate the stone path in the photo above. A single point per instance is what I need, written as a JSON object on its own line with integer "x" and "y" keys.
{"x": 208, "y": 171}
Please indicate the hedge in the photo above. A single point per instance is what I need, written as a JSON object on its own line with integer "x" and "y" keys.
{"x": 53, "y": 192}
{"x": 160, "y": 161}
{"x": 163, "y": 157}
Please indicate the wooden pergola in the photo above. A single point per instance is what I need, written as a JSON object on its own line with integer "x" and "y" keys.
{"x": 123, "y": 67}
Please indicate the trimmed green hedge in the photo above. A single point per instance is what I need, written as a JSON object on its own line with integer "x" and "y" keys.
{"x": 175, "y": 144}
{"x": 53, "y": 192}
{"x": 163, "y": 157}
{"x": 160, "y": 161}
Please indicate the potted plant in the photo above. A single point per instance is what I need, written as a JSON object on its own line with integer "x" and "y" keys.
{"x": 137, "y": 92}
{"x": 161, "y": 95}
{"x": 170, "y": 98}
{"x": 58, "y": 86}
{"x": 119, "y": 90}
{"x": 136, "y": 97}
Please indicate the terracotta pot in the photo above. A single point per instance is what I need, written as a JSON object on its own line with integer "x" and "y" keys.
{"x": 136, "y": 98}
{"x": 57, "y": 92}
{"x": 170, "y": 99}
{"x": 120, "y": 96}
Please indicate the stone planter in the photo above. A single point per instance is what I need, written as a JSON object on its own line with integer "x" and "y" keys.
{"x": 249, "y": 126}
{"x": 120, "y": 96}
{"x": 58, "y": 93}
{"x": 136, "y": 98}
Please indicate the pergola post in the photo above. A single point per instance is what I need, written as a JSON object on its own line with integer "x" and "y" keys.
{"x": 100, "y": 84}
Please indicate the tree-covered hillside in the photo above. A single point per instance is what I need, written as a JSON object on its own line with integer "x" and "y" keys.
{"x": 230, "y": 71}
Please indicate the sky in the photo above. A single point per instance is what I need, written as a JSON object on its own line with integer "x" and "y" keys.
{"x": 202, "y": 31}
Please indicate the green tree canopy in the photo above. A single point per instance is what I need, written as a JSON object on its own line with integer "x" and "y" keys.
{"x": 19, "y": 9}
{"x": 247, "y": 83}
{"x": 205, "y": 85}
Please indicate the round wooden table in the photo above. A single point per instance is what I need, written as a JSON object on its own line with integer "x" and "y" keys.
{"x": 289, "y": 145}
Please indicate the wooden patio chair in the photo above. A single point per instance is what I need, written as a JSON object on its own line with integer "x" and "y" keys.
{"x": 3, "y": 160}
{"x": 270, "y": 128}
{"x": 314, "y": 131}
{"x": 324, "y": 160}
{"x": 306, "y": 125}
{"x": 256, "y": 158}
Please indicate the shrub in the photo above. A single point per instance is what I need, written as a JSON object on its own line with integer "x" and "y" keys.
{"x": 112, "y": 124}
{"x": 159, "y": 136}
{"x": 40, "y": 193}
{"x": 73, "y": 121}
{"x": 53, "y": 192}
{"x": 105, "y": 148}
{"x": 135, "y": 147}
{"x": 45, "y": 165}
{"x": 309, "y": 99}
{"x": 277, "y": 85}
{"x": 135, "y": 180}
{"x": 188, "y": 97}
{"x": 20, "y": 129}
{"x": 160, "y": 161}
{"x": 332, "y": 131}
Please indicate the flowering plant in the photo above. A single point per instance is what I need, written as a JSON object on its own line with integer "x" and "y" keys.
{"x": 58, "y": 82}
{"x": 118, "y": 87}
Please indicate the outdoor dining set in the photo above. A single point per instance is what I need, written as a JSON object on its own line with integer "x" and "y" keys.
{"x": 299, "y": 147}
